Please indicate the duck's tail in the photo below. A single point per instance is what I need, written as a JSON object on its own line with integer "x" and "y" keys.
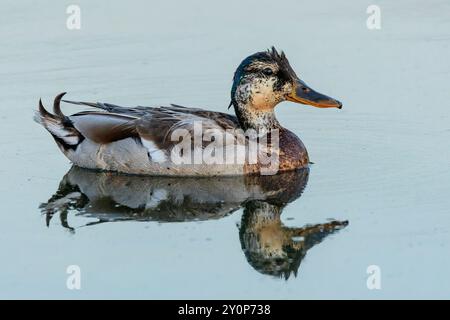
{"x": 60, "y": 126}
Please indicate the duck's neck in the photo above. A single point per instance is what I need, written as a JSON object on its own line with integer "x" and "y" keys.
{"x": 252, "y": 118}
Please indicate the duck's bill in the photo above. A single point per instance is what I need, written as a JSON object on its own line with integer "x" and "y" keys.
{"x": 301, "y": 93}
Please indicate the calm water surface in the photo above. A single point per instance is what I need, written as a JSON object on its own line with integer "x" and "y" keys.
{"x": 377, "y": 193}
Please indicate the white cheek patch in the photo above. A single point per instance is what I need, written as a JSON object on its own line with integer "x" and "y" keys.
{"x": 156, "y": 154}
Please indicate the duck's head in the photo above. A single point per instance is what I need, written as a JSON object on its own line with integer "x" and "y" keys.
{"x": 265, "y": 79}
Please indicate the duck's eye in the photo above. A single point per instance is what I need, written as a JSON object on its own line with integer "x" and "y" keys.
{"x": 268, "y": 71}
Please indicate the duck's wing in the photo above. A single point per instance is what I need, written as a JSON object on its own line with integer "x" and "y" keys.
{"x": 153, "y": 126}
{"x": 104, "y": 127}
{"x": 165, "y": 126}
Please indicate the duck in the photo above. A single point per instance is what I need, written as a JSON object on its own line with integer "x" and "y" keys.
{"x": 174, "y": 140}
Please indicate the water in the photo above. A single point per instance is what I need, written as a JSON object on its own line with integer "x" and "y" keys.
{"x": 381, "y": 163}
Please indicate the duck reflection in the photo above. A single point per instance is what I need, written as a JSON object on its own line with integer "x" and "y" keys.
{"x": 270, "y": 247}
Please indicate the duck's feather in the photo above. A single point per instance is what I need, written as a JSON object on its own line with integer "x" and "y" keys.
{"x": 103, "y": 127}
{"x": 67, "y": 137}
